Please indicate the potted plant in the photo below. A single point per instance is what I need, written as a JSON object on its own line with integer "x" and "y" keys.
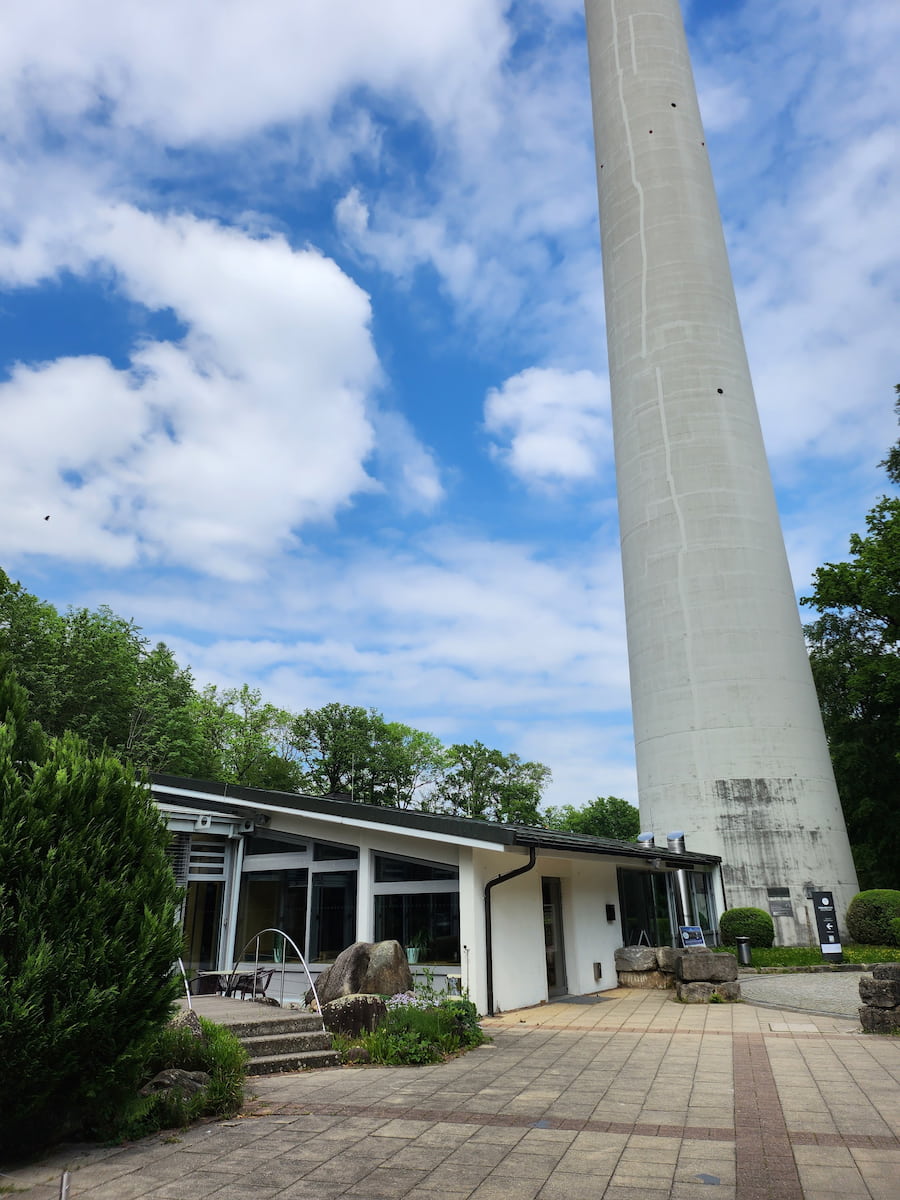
{"x": 417, "y": 946}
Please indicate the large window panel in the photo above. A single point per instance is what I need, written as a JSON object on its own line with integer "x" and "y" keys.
{"x": 271, "y": 900}
{"x": 428, "y": 920}
{"x": 332, "y": 925}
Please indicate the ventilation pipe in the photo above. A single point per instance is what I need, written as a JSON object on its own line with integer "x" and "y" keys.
{"x": 647, "y": 840}
{"x": 683, "y": 906}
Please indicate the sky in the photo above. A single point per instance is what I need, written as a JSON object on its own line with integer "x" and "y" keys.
{"x": 302, "y": 344}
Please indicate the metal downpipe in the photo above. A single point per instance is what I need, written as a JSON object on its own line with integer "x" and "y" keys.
{"x": 488, "y": 930}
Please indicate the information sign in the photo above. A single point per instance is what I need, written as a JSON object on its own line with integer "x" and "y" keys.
{"x": 826, "y": 923}
{"x": 691, "y": 935}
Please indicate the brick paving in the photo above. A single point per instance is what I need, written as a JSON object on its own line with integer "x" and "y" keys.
{"x": 632, "y": 1098}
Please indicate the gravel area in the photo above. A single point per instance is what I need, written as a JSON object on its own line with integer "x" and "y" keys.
{"x": 819, "y": 992}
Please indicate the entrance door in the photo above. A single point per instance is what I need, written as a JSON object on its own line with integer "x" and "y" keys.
{"x": 553, "y": 937}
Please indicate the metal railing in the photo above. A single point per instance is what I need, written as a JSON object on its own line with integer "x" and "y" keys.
{"x": 187, "y": 986}
{"x": 286, "y": 939}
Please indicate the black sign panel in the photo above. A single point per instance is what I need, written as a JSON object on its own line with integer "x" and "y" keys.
{"x": 826, "y": 923}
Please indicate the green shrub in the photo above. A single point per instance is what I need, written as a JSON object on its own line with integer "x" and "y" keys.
{"x": 87, "y": 931}
{"x": 218, "y": 1053}
{"x": 870, "y": 917}
{"x": 420, "y": 1031}
{"x": 754, "y": 923}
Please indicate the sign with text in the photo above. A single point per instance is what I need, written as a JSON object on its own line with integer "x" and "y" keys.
{"x": 826, "y": 923}
{"x": 691, "y": 935}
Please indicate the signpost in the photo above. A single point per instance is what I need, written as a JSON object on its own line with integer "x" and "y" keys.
{"x": 826, "y": 923}
{"x": 691, "y": 935}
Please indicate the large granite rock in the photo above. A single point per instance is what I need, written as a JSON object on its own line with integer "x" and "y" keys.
{"x": 702, "y": 966}
{"x": 353, "y": 1015}
{"x": 188, "y": 1083}
{"x": 879, "y": 1020}
{"x": 886, "y": 971}
{"x": 704, "y": 993}
{"x": 667, "y": 956}
{"x": 645, "y": 979}
{"x": 636, "y": 958}
{"x": 880, "y": 993}
{"x": 378, "y": 968}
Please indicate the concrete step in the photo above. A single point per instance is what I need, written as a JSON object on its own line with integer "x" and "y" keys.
{"x": 269, "y": 1026}
{"x": 270, "y": 1064}
{"x": 258, "y": 1046}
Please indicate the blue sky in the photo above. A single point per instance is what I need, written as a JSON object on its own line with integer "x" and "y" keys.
{"x": 302, "y": 344}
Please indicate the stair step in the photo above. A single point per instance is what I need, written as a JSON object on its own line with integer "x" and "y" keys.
{"x": 294, "y": 1023}
{"x": 270, "y": 1064}
{"x": 286, "y": 1043}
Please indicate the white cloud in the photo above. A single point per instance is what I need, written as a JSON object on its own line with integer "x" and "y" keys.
{"x": 551, "y": 426}
{"x": 210, "y": 451}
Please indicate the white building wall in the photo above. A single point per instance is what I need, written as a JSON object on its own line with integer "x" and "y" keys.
{"x": 728, "y": 734}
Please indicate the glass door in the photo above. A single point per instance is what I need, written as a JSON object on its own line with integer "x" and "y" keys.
{"x": 551, "y": 894}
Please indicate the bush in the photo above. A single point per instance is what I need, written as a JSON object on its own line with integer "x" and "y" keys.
{"x": 870, "y": 917}
{"x": 218, "y": 1053}
{"x": 419, "y": 1029}
{"x": 754, "y": 923}
{"x": 87, "y": 931}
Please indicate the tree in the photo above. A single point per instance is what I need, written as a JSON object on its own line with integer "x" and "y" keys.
{"x": 404, "y": 761}
{"x": 336, "y": 745}
{"x": 241, "y": 739}
{"x": 607, "y": 817}
{"x": 854, "y": 656}
{"x": 87, "y": 929}
{"x": 490, "y": 786}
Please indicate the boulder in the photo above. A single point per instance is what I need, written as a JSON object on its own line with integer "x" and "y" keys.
{"x": 645, "y": 979}
{"x": 358, "y": 1054}
{"x": 365, "y": 967}
{"x": 886, "y": 971}
{"x": 188, "y": 1019}
{"x": 880, "y": 993}
{"x": 704, "y": 993}
{"x": 879, "y": 1020}
{"x": 175, "y": 1080}
{"x": 702, "y": 966}
{"x": 353, "y": 1015}
{"x": 667, "y": 956}
{"x": 636, "y": 958}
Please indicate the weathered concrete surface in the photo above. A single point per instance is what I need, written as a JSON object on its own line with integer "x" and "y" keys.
{"x": 728, "y": 734}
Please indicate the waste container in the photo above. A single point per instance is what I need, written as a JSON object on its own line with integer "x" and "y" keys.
{"x": 743, "y": 951}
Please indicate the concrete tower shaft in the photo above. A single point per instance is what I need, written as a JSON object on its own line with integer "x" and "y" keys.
{"x": 729, "y": 740}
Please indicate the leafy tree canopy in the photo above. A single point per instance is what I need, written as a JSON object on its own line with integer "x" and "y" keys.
{"x": 854, "y": 655}
{"x": 607, "y": 817}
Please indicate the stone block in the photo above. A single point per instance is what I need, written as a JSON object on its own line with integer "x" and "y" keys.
{"x": 705, "y": 967}
{"x": 667, "y": 956}
{"x": 880, "y": 1020}
{"x": 645, "y": 979}
{"x": 703, "y": 993}
{"x": 353, "y": 1015}
{"x": 378, "y": 968}
{"x": 880, "y": 993}
{"x": 886, "y": 971}
{"x": 636, "y": 958}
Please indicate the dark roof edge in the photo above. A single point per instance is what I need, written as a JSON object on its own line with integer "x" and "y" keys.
{"x": 403, "y": 818}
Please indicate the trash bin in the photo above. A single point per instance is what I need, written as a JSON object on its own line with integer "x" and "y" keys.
{"x": 743, "y": 951}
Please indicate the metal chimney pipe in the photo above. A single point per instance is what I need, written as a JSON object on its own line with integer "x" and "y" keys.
{"x": 683, "y": 905}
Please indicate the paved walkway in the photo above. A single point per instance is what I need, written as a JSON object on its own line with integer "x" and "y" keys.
{"x": 634, "y": 1097}
{"x": 821, "y": 992}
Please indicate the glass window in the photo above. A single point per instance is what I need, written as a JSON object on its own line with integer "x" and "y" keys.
{"x": 323, "y": 852}
{"x": 428, "y": 921}
{"x": 405, "y": 870}
{"x": 332, "y": 925}
{"x": 260, "y": 844}
{"x": 704, "y": 908}
{"x": 271, "y": 900}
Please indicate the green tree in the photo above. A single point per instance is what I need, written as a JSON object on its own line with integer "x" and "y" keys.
{"x": 404, "y": 761}
{"x": 607, "y": 817}
{"x": 854, "y": 655}
{"x": 243, "y": 739}
{"x": 87, "y": 930}
{"x": 337, "y": 747}
{"x": 489, "y": 785}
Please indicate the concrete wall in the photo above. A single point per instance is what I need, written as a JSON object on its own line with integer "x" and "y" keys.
{"x": 729, "y": 739}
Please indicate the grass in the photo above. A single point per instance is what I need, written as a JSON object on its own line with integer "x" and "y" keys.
{"x": 412, "y": 1036}
{"x": 218, "y": 1053}
{"x": 811, "y": 956}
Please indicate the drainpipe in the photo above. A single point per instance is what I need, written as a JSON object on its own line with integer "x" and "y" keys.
{"x": 488, "y": 933}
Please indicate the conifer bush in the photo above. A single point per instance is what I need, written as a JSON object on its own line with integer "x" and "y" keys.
{"x": 754, "y": 923}
{"x": 87, "y": 931}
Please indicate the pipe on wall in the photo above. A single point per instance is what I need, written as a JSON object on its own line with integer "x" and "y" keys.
{"x": 488, "y": 931}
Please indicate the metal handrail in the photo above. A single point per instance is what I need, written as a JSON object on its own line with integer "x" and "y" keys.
{"x": 187, "y": 986}
{"x": 287, "y": 937}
